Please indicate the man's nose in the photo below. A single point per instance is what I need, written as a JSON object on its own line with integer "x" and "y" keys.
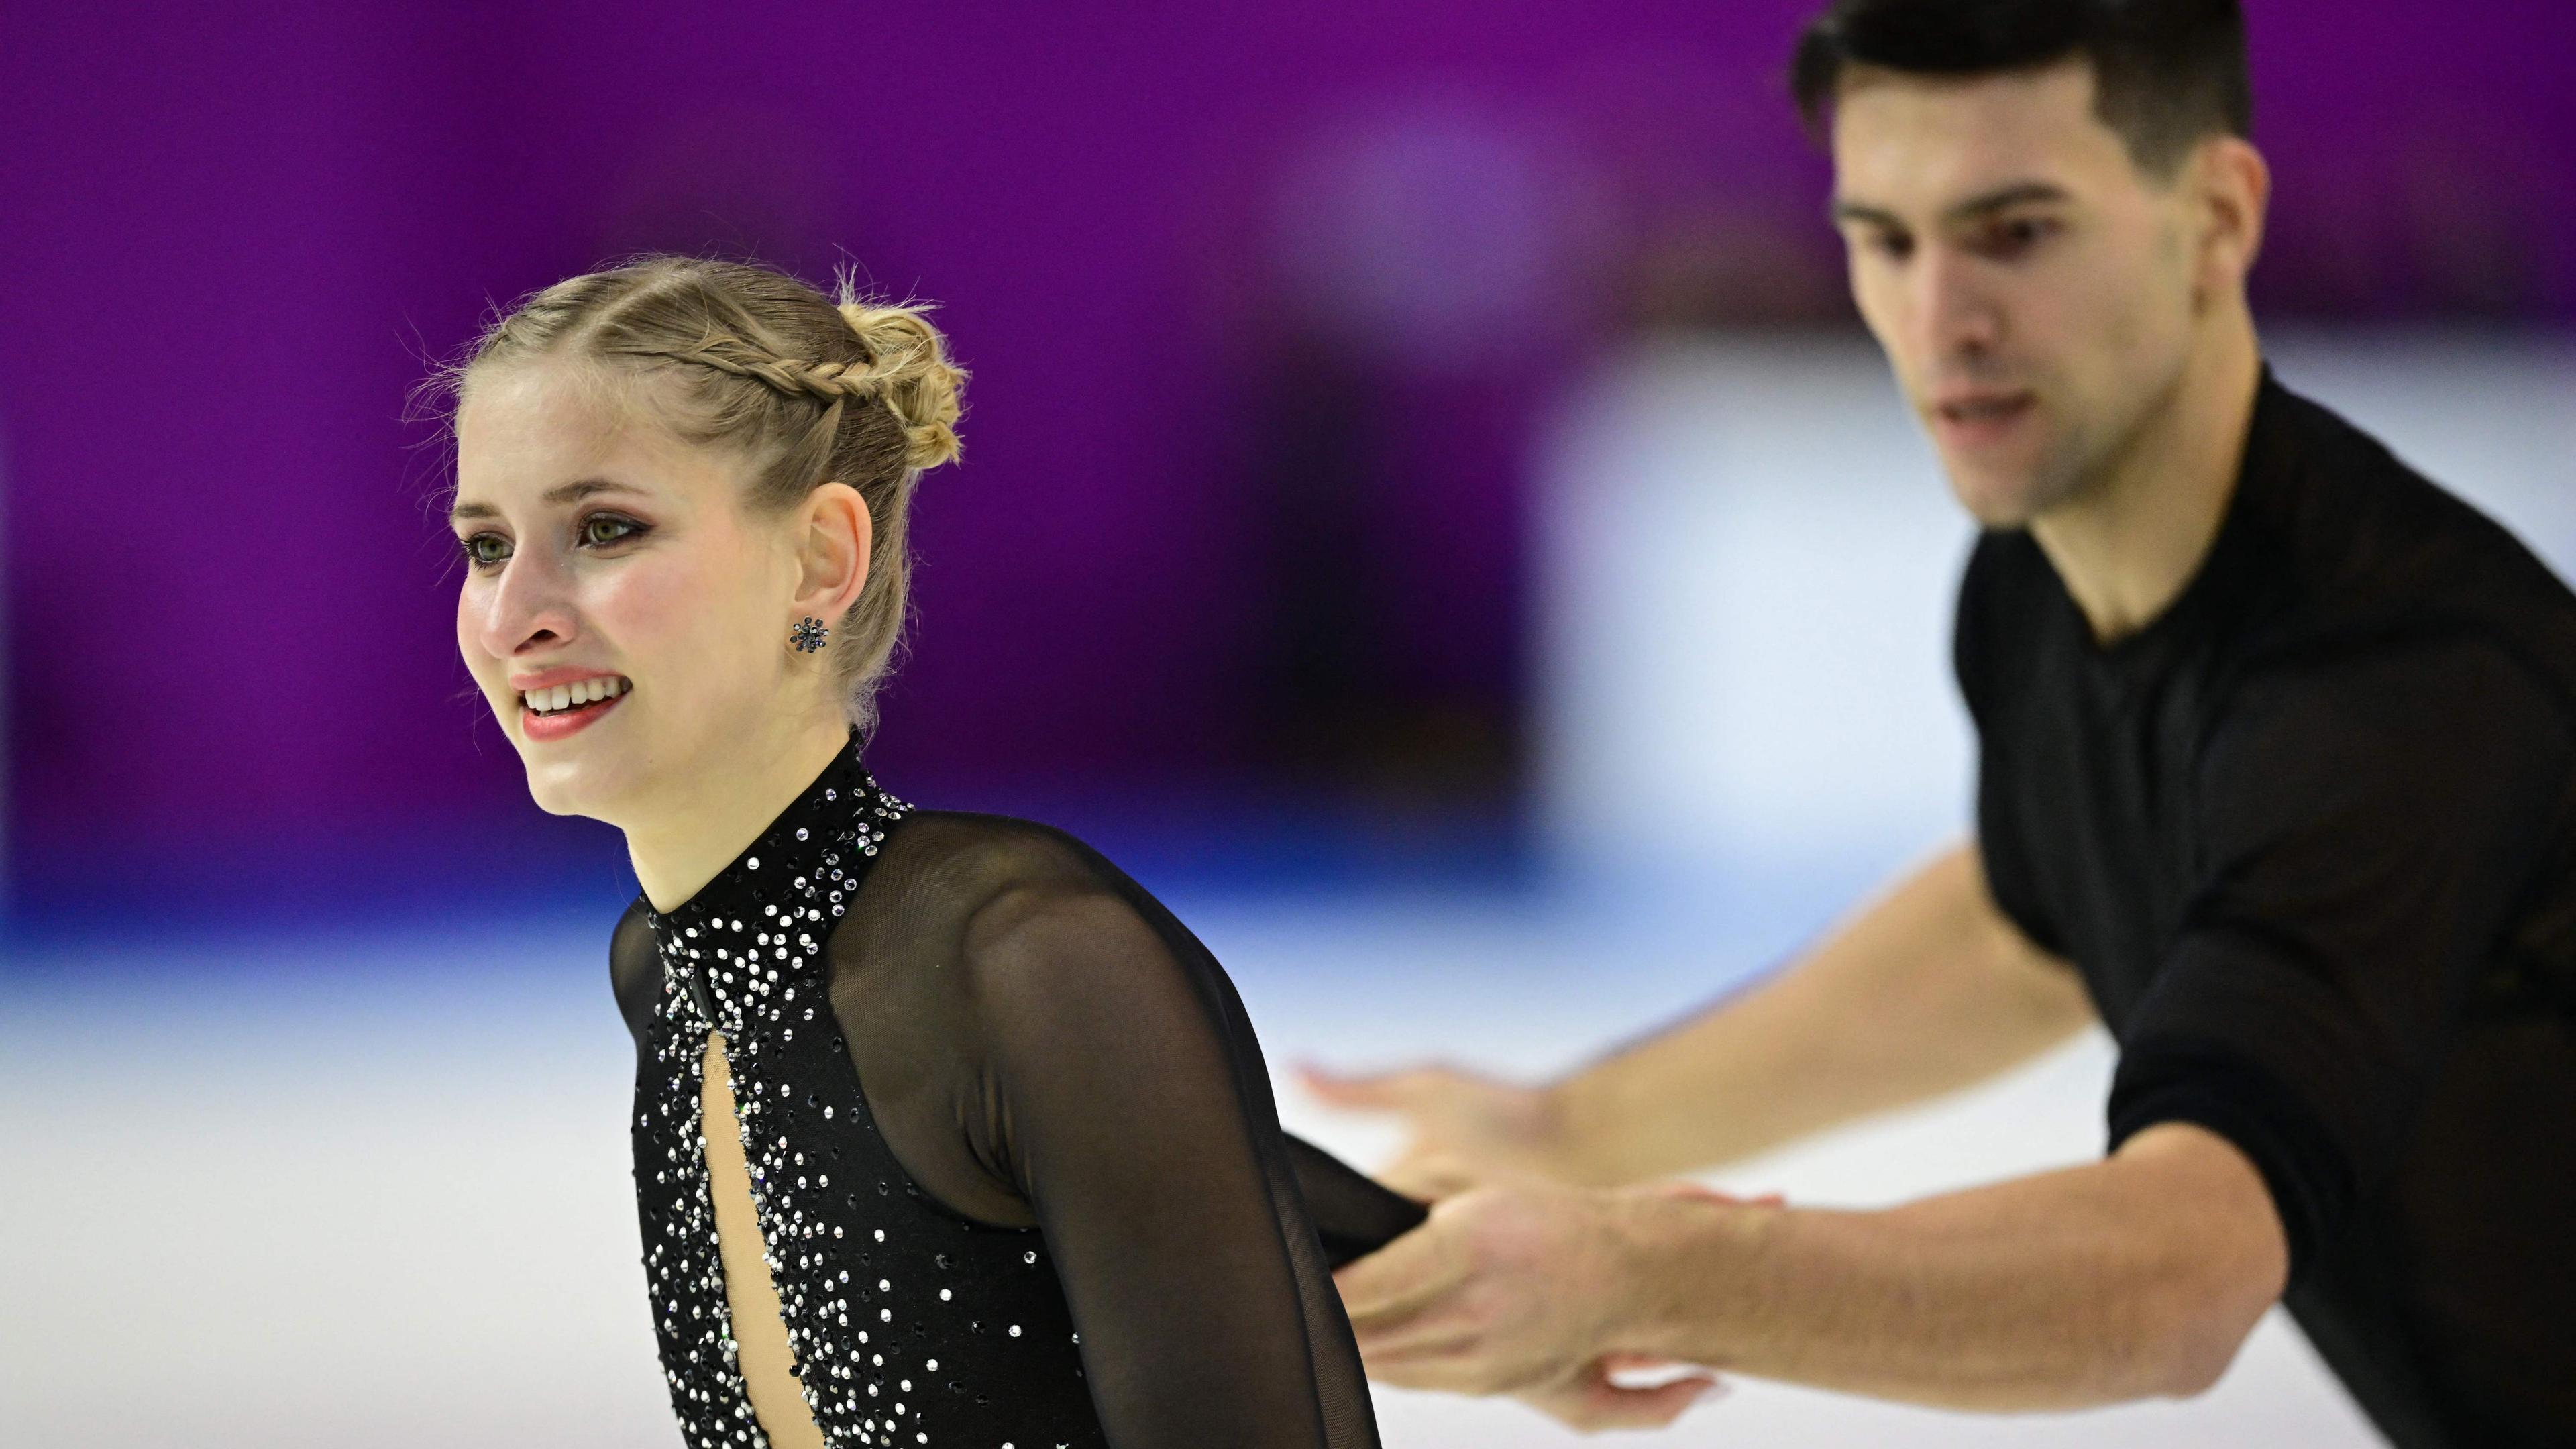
{"x": 1954, "y": 309}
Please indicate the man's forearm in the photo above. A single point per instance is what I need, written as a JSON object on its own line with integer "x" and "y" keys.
{"x": 2131, "y": 1278}
{"x": 1927, "y": 990}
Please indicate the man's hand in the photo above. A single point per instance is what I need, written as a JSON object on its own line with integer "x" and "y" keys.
{"x": 1468, "y": 1129}
{"x": 1518, "y": 1290}
{"x": 2134, "y": 1277}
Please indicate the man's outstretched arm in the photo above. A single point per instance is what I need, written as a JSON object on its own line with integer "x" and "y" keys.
{"x": 1928, "y": 989}
{"x": 2134, "y": 1277}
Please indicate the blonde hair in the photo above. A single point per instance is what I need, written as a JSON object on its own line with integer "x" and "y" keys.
{"x": 810, "y": 389}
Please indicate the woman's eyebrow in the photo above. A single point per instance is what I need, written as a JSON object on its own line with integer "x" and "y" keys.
{"x": 582, "y": 488}
{"x": 558, "y": 495}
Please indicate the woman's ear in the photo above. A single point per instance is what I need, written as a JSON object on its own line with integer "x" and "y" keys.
{"x": 832, "y": 552}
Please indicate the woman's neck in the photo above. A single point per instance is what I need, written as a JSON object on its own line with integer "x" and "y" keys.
{"x": 720, "y": 812}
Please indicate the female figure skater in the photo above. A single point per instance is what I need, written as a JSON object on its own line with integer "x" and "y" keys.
{"x": 946, "y": 1133}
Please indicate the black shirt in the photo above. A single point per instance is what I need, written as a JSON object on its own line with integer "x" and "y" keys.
{"x": 1012, "y": 1150}
{"x": 2310, "y": 837}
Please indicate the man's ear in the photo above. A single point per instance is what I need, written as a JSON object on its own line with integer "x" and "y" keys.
{"x": 2233, "y": 189}
{"x": 833, "y": 542}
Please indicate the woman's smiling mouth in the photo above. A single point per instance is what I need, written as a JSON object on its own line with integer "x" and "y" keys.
{"x": 552, "y": 711}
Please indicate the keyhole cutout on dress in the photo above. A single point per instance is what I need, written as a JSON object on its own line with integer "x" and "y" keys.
{"x": 762, "y": 1353}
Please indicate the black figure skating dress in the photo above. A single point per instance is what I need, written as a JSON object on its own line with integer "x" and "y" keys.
{"x": 1018, "y": 1173}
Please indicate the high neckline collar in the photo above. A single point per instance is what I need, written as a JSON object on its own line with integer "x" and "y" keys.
{"x": 804, "y": 866}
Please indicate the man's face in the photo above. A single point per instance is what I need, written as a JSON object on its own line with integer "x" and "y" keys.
{"x": 2035, "y": 291}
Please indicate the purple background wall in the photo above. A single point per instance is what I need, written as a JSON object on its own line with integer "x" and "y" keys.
{"x": 1263, "y": 308}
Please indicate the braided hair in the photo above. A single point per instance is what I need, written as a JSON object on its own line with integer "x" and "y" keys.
{"x": 809, "y": 389}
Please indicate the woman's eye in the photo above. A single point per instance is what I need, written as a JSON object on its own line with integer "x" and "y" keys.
{"x": 484, "y": 550}
{"x": 606, "y": 528}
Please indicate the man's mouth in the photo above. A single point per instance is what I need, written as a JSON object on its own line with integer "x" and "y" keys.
{"x": 1980, "y": 419}
{"x": 1984, "y": 408}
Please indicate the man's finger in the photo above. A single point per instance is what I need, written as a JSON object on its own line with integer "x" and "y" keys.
{"x": 1429, "y": 1177}
{"x": 1415, "y": 1340}
{"x": 1405, "y": 1275}
{"x": 1462, "y": 1372}
{"x": 1360, "y": 1091}
{"x": 1590, "y": 1399}
{"x": 1685, "y": 1188}
{"x": 1448, "y": 1352}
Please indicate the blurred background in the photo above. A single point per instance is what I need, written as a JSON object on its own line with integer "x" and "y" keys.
{"x": 1428, "y": 510}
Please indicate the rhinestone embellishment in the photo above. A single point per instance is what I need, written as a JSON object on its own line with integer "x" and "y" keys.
{"x": 928, "y": 1287}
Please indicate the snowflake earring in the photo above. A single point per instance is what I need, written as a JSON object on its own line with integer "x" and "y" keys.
{"x": 808, "y": 635}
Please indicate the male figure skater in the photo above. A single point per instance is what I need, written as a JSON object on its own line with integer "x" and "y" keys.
{"x": 2277, "y": 779}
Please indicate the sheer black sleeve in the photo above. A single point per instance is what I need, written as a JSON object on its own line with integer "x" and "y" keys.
{"x": 2370, "y": 826}
{"x": 1354, "y": 1213}
{"x": 1043, "y": 1046}
{"x": 1129, "y": 1105}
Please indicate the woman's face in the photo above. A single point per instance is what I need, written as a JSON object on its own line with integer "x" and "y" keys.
{"x": 623, "y": 612}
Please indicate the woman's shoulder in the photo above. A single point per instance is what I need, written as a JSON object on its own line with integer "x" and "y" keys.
{"x": 978, "y": 854}
{"x": 1022, "y": 904}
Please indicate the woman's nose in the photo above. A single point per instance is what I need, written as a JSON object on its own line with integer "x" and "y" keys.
{"x": 531, "y": 607}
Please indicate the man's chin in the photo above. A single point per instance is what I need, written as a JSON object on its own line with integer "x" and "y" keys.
{"x": 1993, "y": 499}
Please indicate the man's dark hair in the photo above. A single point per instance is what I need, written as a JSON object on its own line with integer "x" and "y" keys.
{"x": 2167, "y": 73}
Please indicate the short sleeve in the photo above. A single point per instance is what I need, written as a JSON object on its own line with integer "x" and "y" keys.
{"x": 2368, "y": 828}
{"x": 1135, "y": 1116}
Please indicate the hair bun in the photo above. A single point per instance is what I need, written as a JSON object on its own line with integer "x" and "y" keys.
{"x": 908, "y": 370}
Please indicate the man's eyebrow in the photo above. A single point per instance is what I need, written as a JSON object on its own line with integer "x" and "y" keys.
{"x": 2017, "y": 194}
{"x": 1861, "y": 211}
{"x": 560, "y": 494}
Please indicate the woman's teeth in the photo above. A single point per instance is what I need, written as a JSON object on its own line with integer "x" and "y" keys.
{"x": 566, "y": 696}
